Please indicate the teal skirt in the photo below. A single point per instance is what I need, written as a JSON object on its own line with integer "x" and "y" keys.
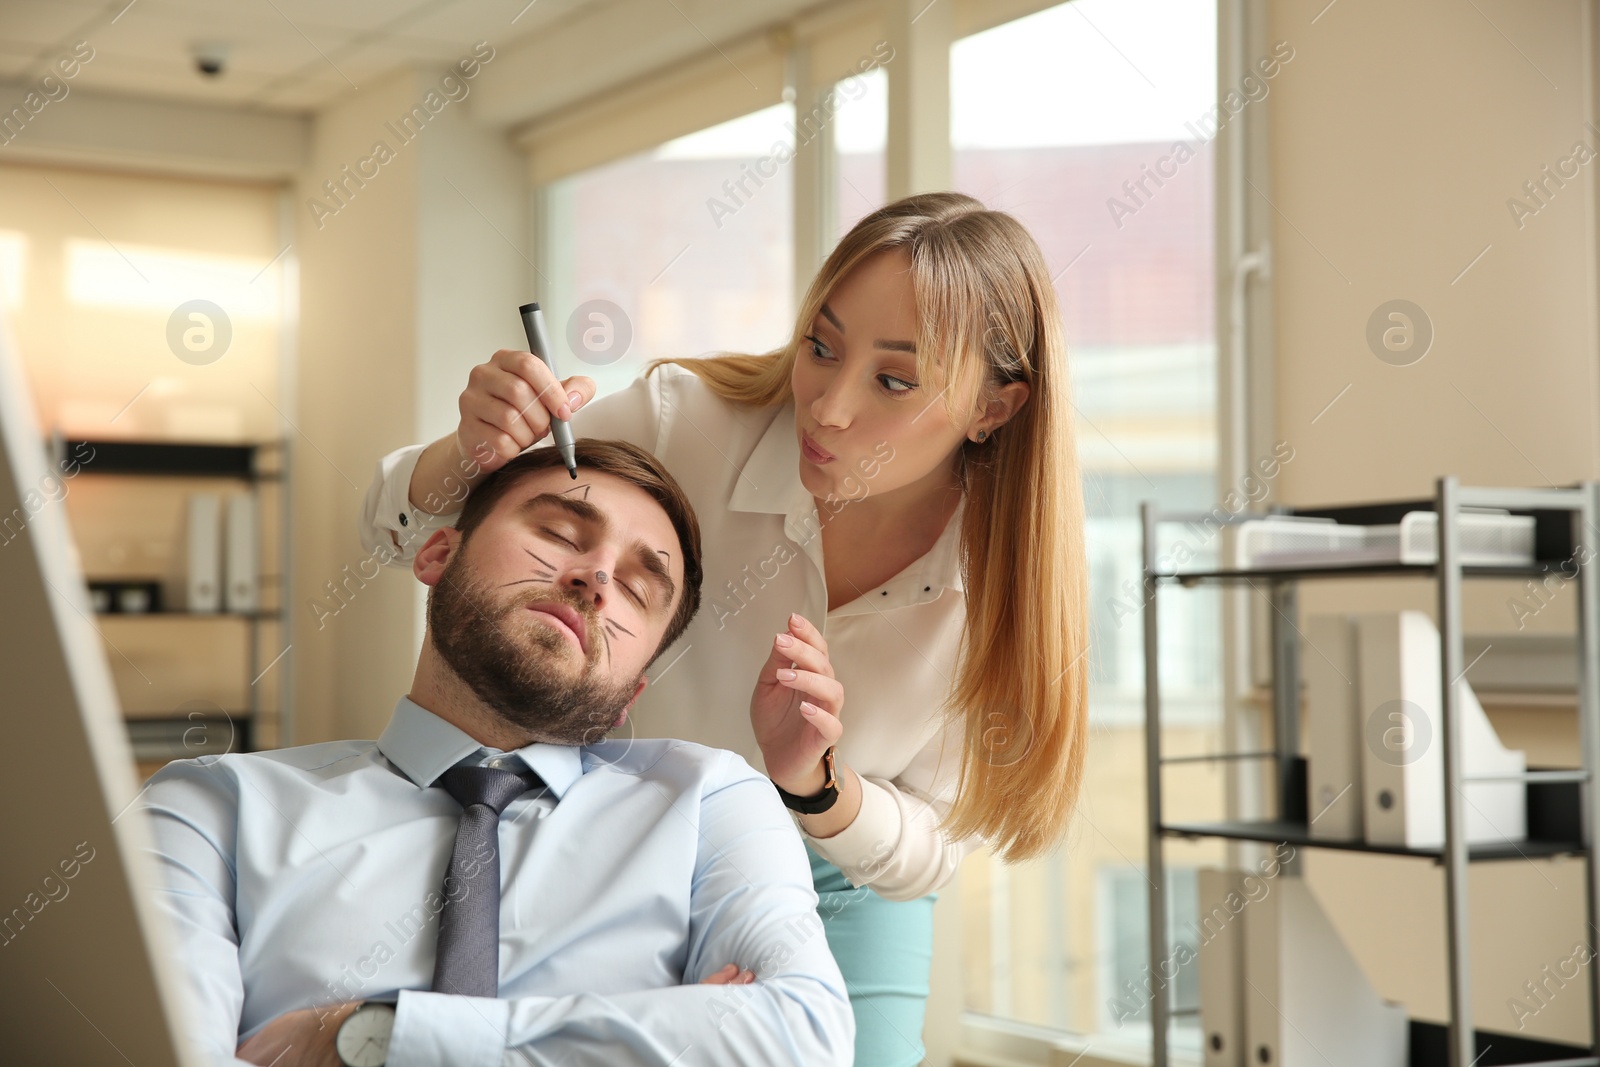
{"x": 885, "y": 952}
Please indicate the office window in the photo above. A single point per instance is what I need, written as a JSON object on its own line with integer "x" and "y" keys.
{"x": 1050, "y": 116}
{"x": 861, "y": 136}
{"x": 168, "y": 292}
{"x": 1125, "y": 935}
{"x": 680, "y": 251}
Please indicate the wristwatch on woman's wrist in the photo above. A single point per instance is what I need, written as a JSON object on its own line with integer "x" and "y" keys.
{"x": 817, "y": 803}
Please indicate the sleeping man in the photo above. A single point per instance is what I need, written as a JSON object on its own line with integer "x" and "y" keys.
{"x": 491, "y": 882}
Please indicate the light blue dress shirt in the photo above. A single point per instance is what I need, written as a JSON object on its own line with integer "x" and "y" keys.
{"x": 306, "y": 877}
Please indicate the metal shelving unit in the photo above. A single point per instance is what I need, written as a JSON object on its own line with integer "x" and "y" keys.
{"x": 260, "y": 466}
{"x": 1561, "y": 515}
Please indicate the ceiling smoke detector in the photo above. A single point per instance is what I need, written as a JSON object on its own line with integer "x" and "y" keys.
{"x": 210, "y": 59}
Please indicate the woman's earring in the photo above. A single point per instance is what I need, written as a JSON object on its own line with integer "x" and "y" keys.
{"x": 982, "y": 434}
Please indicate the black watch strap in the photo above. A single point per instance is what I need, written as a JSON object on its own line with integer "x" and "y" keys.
{"x": 817, "y": 803}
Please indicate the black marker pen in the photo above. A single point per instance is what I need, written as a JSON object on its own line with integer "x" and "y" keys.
{"x": 539, "y": 345}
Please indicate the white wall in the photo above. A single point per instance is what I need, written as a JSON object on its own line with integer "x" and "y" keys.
{"x": 416, "y": 278}
{"x": 1398, "y": 134}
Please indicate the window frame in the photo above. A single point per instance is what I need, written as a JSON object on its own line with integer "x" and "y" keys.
{"x": 800, "y": 61}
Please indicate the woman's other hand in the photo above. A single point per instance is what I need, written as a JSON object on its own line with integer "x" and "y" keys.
{"x": 795, "y": 708}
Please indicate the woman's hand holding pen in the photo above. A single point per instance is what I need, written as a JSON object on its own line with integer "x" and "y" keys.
{"x": 795, "y": 708}
{"x": 506, "y": 407}
{"x": 508, "y": 404}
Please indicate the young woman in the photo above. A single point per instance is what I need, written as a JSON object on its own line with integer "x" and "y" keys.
{"x": 895, "y": 612}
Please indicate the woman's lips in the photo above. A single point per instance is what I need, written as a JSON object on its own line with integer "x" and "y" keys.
{"x": 809, "y": 449}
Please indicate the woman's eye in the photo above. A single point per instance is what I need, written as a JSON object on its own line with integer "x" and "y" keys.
{"x": 891, "y": 384}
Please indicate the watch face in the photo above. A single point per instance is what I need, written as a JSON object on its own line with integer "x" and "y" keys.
{"x": 363, "y": 1039}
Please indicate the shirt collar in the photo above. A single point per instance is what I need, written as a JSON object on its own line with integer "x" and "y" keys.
{"x": 769, "y": 483}
{"x": 943, "y": 566}
{"x": 423, "y": 746}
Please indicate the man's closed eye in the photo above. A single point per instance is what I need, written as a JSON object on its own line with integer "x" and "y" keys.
{"x": 638, "y": 597}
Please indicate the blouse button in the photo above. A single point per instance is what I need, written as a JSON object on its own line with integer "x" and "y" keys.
{"x": 403, "y": 519}
{"x": 927, "y": 589}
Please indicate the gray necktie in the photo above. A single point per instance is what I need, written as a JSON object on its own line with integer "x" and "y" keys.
{"x": 468, "y": 961}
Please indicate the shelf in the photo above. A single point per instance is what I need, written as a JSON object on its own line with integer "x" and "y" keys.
{"x": 171, "y": 458}
{"x": 1552, "y": 537}
{"x": 216, "y": 713}
{"x": 188, "y": 614}
{"x": 1364, "y": 570}
{"x": 1428, "y": 1048}
{"x": 1299, "y": 834}
{"x": 154, "y": 739}
{"x": 1552, "y": 511}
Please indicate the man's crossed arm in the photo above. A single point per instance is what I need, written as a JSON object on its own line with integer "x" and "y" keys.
{"x": 752, "y": 905}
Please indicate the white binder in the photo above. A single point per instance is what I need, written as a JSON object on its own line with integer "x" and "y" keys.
{"x": 1221, "y": 951}
{"x": 1306, "y": 1001}
{"x": 241, "y": 591}
{"x": 1334, "y": 728}
{"x": 1403, "y": 750}
{"x": 203, "y": 574}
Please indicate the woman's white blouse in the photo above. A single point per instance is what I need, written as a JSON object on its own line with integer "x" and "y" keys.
{"x": 893, "y": 648}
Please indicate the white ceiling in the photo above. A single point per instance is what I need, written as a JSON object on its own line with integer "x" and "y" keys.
{"x": 285, "y": 55}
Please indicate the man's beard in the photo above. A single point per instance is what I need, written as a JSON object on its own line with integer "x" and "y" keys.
{"x": 511, "y": 660}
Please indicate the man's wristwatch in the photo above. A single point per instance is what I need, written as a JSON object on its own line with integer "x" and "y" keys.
{"x": 363, "y": 1037}
{"x": 817, "y": 803}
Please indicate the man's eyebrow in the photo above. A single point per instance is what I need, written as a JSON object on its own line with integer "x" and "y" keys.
{"x": 584, "y": 511}
{"x": 892, "y": 346}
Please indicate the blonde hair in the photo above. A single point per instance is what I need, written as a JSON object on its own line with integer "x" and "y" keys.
{"x": 987, "y": 309}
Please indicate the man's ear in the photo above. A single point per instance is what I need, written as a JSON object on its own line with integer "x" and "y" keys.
{"x": 431, "y": 559}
